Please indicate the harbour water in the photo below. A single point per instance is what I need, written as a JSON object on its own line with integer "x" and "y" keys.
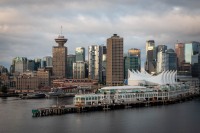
{"x": 16, "y": 117}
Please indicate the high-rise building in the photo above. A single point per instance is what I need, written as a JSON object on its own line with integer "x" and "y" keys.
{"x": 20, "y": 64}
{"x": 60, "y": 58}
{"x": 79, "y": 70}
{"x": 37, "y": 63}
{"x": 80, "y": 54}
{"x": 70, "y": 60}
{"x": 135, "y": 58}
{"x": 95, "y": 62}
{"x": 30, "y": 65}
{"x": 191, "y": 49}
{"x": 160, "y": 51}
{"x": 132, "y": 61}
{"x": 150, "y": 64}
{"x": 46, "y": 62}
{"x": 169, "y": 60}
{"x": 115, "y": 61}
{"x": 104, "y": 64}
{"x": 179, "y": 50}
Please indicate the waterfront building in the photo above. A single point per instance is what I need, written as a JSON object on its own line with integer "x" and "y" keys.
{"x": 132, "y": 61}
{"x": 60, "y": 58}
{"x": 27, "y": 81}
{"x": 80, "y": 54}
{"x": 20, "y": 64}
{"x": 79, "y": 68}
{"x": 141, "y": 87}
{"x": 115, "y": 63}
{"x": 150, "y": 64}
{"x": 169, "y": 60}
{"x": 70, "y": 60}
{"x": 95, "y": 62}
{"x": 179, "y": 50}
{"x": 85, "y": 85}
{"x": 43, "y": 77}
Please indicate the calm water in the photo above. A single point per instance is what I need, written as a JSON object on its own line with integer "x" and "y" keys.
{"x": 16, "y": 117}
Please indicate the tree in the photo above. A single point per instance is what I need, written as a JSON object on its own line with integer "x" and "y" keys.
{"x": 4, "y": 89}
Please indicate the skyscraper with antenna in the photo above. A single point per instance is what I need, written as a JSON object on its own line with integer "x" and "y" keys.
{"x": 60, "y": 57}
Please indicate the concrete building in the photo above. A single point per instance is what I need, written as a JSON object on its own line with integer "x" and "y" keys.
{"x": 80, "y": 54}
{"x": 79, "y": 70}
{"x": 95, "y": 62}
{"x": 43, "y": 77}
{"x": 179, "y": 50}
{"x": 115, "y": 61}
{"x": 70, "y": 60}
{"x": 60, "y": 58}
{"x": 150, "y": 64}
{"x": 27, "y": 81}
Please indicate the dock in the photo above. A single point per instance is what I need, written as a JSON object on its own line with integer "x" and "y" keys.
{"x": 80, "y": 108}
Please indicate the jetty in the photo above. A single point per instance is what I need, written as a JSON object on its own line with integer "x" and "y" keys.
{"x": 80, "y": 108}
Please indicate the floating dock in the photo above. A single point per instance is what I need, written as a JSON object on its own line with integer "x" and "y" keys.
{"x": 66, "y": 109}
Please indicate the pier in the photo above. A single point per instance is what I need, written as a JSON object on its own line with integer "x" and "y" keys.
{"x": 81, "y": 108}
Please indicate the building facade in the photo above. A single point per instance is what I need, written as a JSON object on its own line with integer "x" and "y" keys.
{"x": 60, "y": 58}
{"x": 160, "y": 51}
{"x": 80, "y": 54}
{"x": 104, "y": 64}
{"x": 190, "y": 50}
{"x": 115, "y": 61}
{"x": 70, "y": 60}
{"x": 150, "y": 64}
{"x": 179, "y": 50}
{"x": 132, "y": 61}
{"x": 43, "y": 77}
{"x": 169, "y": 60}
{"x": 79, "y": 68}
{"x": 20, "y": 64}
{"x": 95, "y": 62}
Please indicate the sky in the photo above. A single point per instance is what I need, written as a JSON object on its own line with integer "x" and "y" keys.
{"x": 28, "y": 27}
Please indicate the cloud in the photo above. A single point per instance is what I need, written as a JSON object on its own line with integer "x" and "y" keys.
{"x": 28, "y": 28}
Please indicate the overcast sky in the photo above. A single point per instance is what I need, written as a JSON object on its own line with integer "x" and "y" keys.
{"x": 28, "y": 27}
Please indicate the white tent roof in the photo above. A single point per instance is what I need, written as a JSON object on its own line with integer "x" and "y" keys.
{"x": 166, "y": 77}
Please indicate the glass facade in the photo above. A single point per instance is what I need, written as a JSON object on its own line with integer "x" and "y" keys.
{"x": 190, "y": 50}
{"x": 80, "y": 54}
{"x": 70, "y": 60}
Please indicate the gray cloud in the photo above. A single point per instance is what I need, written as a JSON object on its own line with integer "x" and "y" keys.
{"x": 28, "y": 28}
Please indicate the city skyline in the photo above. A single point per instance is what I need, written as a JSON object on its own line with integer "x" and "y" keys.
{"x": 28, "y": 29}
